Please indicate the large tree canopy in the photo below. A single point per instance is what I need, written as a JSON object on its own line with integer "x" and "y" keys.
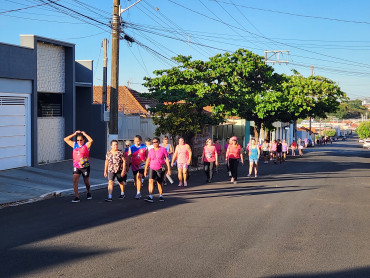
{"x": 235, "y": 84}
{"x": 312, "y": 96}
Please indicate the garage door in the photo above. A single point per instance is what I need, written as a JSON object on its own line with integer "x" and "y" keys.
{"x": 13, "y": 128}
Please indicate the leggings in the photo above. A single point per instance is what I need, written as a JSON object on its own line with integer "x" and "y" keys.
{"x": 233, "y": 164}
{"x": 208, "y": 169}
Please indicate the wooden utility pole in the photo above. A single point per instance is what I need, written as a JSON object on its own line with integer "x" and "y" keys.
{"x": 105, "y": 62}
{"x": 113, "y": 107}
{"x": 312, "y": 67}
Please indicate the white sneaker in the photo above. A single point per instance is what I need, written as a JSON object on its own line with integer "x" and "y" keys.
{"x": 138, "y": 196}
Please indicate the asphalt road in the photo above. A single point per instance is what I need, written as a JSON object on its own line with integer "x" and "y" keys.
{"x": 308, "y": 217}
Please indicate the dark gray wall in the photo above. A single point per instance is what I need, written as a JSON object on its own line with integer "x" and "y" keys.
{"x": 19, "y": 62}
{"x": 69, "y": 104}
{"x": 84, "y": 71}
{"x": 89, "y": 120}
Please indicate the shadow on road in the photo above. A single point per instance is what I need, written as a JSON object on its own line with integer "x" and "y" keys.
{"x": 362, "y": 272}
{"x": 51, "y": 218}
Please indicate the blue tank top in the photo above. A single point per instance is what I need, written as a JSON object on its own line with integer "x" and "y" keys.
{"x": 254, "y": 153}
{"x": 168, "y": 151}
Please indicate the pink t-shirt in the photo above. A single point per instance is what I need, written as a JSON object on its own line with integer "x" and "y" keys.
{"x": 183, "y": 154}
{"x": 218, "y": 149}
{"x": 273, "y": 147}
{"x": 234, "y": 151}
{"x": 157, "y": 158}
{"x": 209, "y": 153}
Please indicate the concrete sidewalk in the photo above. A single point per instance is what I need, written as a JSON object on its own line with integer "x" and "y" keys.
{"x": 30, "y": 184}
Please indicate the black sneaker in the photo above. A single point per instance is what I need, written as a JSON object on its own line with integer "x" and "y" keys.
{"x": 148, "y": 199}
{"x": 88, "y": 196}
{"x": 108, "y": 200}
{"x": 161, "y": 199}
{"x": 121, "y": 196}
{"x": 76, "y": 200}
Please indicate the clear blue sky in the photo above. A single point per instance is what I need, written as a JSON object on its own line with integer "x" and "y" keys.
{"x": 333, "y": 36}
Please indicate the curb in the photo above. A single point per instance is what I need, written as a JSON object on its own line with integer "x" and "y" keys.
{"x": 55, "y": 194}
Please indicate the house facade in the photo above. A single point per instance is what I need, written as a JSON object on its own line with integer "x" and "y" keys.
{"x": 42, "y": 88}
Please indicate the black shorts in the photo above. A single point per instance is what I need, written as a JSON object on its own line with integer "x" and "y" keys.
{"x": 120, "y": 179}
{"x": 157, "y": 175}
{"x": 265, "y": 153}
{"x": 140, "y": 171}
{"x": 84, "y": 171}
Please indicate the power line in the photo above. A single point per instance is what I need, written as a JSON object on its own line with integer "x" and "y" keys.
{"x": 285, "y": 44}
{"x": 293, "y": 14}
{"x": 25, "y": 8}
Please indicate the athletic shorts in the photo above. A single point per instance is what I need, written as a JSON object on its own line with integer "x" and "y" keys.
{"x": 182, "y": 166}
{"x": 84, "y": 171}
{"x": 253, "y": 161}
{"x": 157, "y": 175}
{"x": 120, "y": 179}
{"x": 140, "y": 171}
{"x": 265, "y": 153}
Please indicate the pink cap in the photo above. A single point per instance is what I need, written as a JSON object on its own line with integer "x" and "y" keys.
{"x": 234, "y": 138}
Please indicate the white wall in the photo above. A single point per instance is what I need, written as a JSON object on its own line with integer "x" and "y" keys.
{"x": 50, "y": 68}
{"x": 50, "y": 79}
{"x": 131, "y": 125}
{"x": 50, "y": 145}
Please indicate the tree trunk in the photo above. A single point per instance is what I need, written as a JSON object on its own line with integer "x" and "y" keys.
{"x": 257, "y": 129}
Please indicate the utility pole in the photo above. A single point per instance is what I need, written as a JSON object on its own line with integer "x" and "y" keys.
{"x": 113, "y": 107}
{"x": 105, "y": 62}
{"x": 104, "y": 100}
{"x": 114, "y": 84}
{"x": 312, "y": 73}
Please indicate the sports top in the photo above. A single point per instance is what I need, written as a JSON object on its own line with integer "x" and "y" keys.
{"x": 138, "y": 157}
{"x": 81, "y": 156}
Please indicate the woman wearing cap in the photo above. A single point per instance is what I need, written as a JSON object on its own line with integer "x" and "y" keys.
{"x": 233, "y": 154}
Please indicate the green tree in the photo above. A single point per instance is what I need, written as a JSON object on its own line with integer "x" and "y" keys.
{"x": 182, "y": 93}
{"x": 363, "y": 130}
{"x": 350, "y": 109}
{"x": 312, "y": 96}
{"x": 330, "y": 132}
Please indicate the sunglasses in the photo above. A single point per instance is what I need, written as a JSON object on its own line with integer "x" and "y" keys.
{"x": 155, "y": 142}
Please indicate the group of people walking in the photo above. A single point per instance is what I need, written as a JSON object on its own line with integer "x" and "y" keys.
{"x": 154, "y": 160}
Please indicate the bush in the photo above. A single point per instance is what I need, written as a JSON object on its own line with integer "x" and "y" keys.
{"x": 330, "y": 132}
{"x": 363, "y": 130}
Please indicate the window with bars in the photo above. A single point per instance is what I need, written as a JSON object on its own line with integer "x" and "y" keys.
{"x": 49, "y": 105}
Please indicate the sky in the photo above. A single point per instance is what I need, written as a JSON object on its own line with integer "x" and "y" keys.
{"x": 331, "y": 36}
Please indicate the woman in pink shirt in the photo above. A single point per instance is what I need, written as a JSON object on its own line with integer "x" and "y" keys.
{"x": 158, "y": 165}
{"x": 233, "y": 154}
{"x": 81, "y": 163}
{"x": 183, "y": 156}
{"x": 210, "y": 159}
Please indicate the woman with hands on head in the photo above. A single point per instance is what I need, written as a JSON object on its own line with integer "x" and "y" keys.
{"x": 81, "y": 163}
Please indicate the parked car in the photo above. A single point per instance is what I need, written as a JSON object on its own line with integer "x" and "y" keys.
{"x": 366, "y": 144}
